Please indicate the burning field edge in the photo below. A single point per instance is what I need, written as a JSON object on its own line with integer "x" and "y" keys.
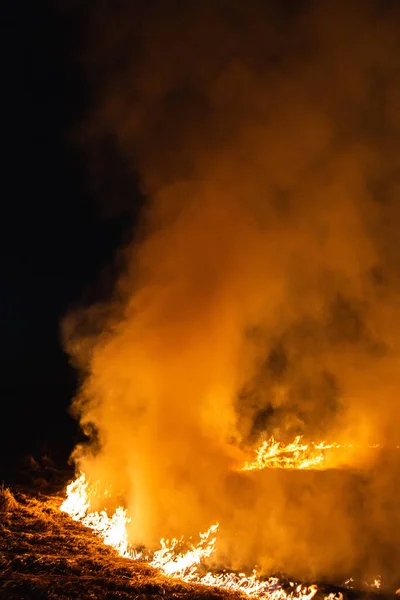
{"x": 46, "y": 554}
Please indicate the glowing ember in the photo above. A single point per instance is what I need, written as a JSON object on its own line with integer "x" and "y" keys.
{"x": 377, "y": 583}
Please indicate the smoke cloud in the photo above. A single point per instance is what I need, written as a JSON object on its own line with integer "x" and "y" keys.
{"x": 260, "y": 292}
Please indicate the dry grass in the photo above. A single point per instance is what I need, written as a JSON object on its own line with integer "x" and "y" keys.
{"x": 7, "y": 501}
{"x": 46, "y": 555}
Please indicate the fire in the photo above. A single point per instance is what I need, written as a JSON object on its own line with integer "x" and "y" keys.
{"x": 76, "y": 503}
{"x": 173, "y": 559}
{"x": 111, "y": 529}
{"x": 295, "y": 455}
{"x": 185, "y": 559}
{"x": 184, "y": 564}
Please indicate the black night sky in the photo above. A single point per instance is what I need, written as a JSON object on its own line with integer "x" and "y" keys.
{"x": 54, "y": 241}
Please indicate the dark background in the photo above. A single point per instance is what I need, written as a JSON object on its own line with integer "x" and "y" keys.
{"x": 54, "y": 239}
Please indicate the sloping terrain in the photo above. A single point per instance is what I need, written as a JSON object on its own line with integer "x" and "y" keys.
{"x": 45, "y": 554}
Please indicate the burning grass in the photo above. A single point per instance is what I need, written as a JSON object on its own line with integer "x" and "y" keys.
{"x": 45, "y": 554}
{"x": 190, "y": 560}
{"x": 7, "y": 501}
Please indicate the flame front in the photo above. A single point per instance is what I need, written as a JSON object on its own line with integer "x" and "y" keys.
{"x": 187, "y": 560}
{"x": 295, "y": 455}
{"x": 169, "y": 558}
{"x": 111, "y": 529}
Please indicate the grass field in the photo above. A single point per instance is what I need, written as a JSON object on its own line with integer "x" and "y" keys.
{"x": 44, "y": 554}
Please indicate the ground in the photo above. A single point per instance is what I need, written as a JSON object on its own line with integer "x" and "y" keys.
{"x": 44, "y": 554}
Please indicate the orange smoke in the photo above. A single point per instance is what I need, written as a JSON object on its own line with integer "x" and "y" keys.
{"x": 260, "y": 292}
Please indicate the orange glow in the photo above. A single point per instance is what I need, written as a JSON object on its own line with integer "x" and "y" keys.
{"x": 295, "y": 455}
{"x": 175, "y": 558}
{"x": 187, "y": 560}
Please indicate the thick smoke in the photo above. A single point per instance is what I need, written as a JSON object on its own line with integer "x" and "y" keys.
{"x": 260, "y": 292}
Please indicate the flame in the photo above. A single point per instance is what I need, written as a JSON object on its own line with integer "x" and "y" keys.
{"x": 111, "y": 529}
{"x": 172, "y": 558}
{"x": 182, "y": 559}
{"x": 77, "y": 503}
{"x": 187, "y": 560}
{"x": 181, "y": 564}
{"x": 296, "y": 455}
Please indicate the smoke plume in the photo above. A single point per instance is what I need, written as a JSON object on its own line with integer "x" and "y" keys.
{"x": 260, "y": 292}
